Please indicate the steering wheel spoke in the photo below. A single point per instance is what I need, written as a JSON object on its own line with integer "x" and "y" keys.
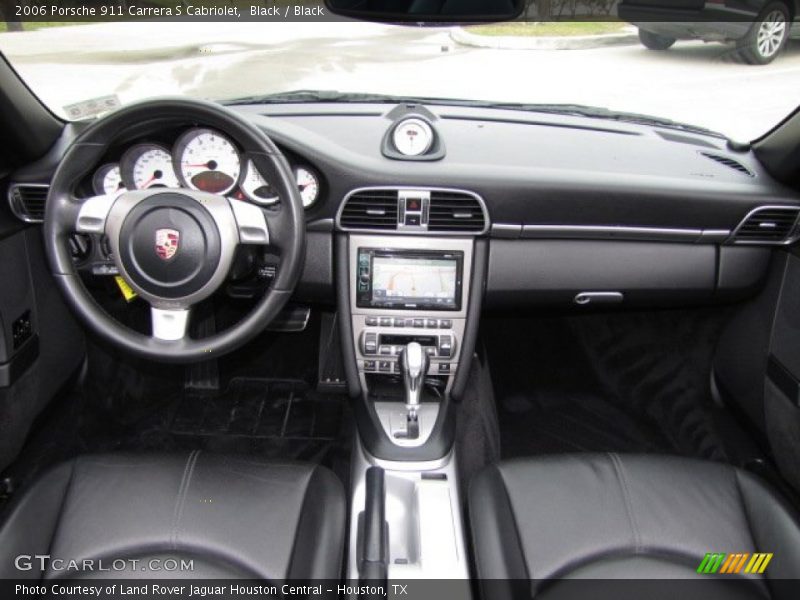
{"x": 169, "y": 324}
{"x": 93, "y": 213}
{"x": 250, "y": 222}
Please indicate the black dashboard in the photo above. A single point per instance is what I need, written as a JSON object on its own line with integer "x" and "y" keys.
{"x": 568, "y": 205}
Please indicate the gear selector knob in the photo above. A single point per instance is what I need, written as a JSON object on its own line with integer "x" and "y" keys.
{"x": 414, "y": 365}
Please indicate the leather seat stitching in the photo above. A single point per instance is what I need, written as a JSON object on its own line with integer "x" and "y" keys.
{"x": 62, "y": 507}
{"x": 623, "y": 482}
{"x": 745, "y": 510}
{"x": 181, "y": 498}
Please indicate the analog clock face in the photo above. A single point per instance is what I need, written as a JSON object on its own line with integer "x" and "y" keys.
{"x": 412, "y": 137}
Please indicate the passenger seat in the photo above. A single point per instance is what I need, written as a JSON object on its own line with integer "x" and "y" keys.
{"x": 612, "y": 516}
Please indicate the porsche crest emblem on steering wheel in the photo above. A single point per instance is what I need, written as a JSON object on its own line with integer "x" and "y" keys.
{"x": 167, "y": 242}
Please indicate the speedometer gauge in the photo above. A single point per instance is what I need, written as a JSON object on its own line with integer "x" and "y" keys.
{"x": 146, "y": 166}
{"x": 308, "y": 184}
{"x": 256, "y": 188}
{"x": 107, "y": 179}
{"x": 208, "y": 161}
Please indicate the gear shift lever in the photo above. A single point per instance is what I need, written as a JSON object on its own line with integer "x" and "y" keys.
{"x": 414, "y": 364}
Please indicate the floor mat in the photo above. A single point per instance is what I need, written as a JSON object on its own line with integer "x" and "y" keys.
{"x": 591, "y": 384}
{"x": 282, "y": 419}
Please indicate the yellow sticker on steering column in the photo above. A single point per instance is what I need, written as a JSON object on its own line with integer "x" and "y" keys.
{"x": 127, "y": 290}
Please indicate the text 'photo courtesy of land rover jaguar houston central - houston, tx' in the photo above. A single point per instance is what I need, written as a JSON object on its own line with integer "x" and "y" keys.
{"x": 361, "y": 299}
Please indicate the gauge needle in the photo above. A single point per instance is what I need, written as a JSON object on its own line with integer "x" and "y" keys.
{"x": 149, "y": 181}
{"x": 211, "y": 165}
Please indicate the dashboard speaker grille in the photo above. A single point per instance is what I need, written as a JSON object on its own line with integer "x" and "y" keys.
{"x": 370, "y": 209}
{"x": 768, "y": 225}
{"x": 729, "y": 162}
{"x": 455, "y": 211}
{"x": 28, "y": 201}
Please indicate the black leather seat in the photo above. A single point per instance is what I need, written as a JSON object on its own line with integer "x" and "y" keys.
{"x": 623, "y": 517}
{"x": 234, "y": 517}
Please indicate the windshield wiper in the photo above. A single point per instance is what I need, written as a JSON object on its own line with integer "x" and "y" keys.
{"x": 577, "y": 110}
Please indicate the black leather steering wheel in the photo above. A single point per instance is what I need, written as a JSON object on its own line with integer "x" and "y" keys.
{"x": 200, "y": 231}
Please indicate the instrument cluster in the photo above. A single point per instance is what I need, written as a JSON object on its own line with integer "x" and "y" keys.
{"x": 201, "y": 159}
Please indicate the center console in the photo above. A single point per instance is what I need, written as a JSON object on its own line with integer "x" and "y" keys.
{"x": 409, "y": 304}
{"x": 408, "y": 290}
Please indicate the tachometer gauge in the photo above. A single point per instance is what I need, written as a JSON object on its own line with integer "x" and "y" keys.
{"x": 107, "y": 179}
{"x": 208, "y": 161}
{"x": 146, "y": 166}
{"x": 308, "y": 184}
{"x": 256, "y": 188}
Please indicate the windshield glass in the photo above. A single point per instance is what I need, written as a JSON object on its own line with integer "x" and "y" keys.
{"x": 609, "y": 64}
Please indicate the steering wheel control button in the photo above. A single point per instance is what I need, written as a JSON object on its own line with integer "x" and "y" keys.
{"x": 251, "y": 223}
{"x": 93, "y": 213}
{"x": 170, "y": 245}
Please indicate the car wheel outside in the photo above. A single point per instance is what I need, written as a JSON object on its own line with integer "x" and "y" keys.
{"x": 767, "y": 36}
{"x": 655, "y": 41}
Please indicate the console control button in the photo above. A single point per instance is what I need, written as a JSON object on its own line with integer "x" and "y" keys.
{"x": 431, "y": 323}
{"x": 369, "y": 365}
{"x": 370, "y": 343}
{"x": 385, "y": 351}
{"x": 444, "y": 367}
{"x": 371, "y": 321}
{"x": 418, "y": 322}
{"x": 445, "y": 324}
{"x": 430, "y": 350}
{"x": 399, "y": 322}
{"x": 385, "y": 366}
{"x": 445, "y": 346}
{"x": 386, "y": 321}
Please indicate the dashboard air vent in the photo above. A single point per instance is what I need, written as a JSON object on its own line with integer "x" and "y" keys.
{"x": 768, "y": 225}
{"x": 728, "y": 162}
{"x": 455, "y": 211}
{"x": 370, "y": 209}
{"x": 28, "y": 201}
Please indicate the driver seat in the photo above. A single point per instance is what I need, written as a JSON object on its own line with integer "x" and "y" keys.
{"x": 232, "y": 517}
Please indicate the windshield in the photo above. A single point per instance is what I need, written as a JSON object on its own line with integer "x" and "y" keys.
{"x": 606, "y": 64}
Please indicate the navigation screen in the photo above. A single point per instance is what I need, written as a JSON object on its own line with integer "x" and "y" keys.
{"x": 415, "y": 281}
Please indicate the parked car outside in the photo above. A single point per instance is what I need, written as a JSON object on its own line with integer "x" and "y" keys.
{"x": 760, "y": 29}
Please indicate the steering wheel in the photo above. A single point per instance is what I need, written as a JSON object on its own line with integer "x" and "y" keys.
{"x": 174, "y": 247}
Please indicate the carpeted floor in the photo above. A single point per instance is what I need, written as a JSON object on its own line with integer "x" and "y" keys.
{"x": 632, "y": 382}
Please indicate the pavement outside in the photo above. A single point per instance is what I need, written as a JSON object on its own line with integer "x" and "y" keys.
{"x": 696, "y": 83}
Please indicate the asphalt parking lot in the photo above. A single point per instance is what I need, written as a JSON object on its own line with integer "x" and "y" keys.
{"x": 702, "y": 84}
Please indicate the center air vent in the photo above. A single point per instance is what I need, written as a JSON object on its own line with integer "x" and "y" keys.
{"x": 370, "y": 209}
{"x": 455, "y": 211}
{"x": 414, "y": 211}
{"x": 729, "y": 162}
{"x": 768, "y": 225}
{"x": 28, "y": 201}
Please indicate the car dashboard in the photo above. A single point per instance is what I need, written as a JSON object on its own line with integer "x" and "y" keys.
{"x": 419, "y": 219}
